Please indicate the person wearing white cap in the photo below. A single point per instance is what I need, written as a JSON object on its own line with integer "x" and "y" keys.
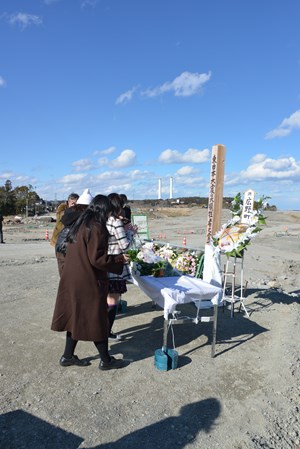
{"x": 85, "y": 198}
{"x": 68, "y": 219}
{"x": 74, "y": 212}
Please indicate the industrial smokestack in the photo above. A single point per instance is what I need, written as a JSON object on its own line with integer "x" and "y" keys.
{"x": 159, "y": 189}
{"x": 171, "y": 188}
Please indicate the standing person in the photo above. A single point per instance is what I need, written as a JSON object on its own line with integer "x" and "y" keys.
{"x": 1, "y": 231}
{"x": 69, "y": 217}
{"x": 72, "y": 213}
{"x": 126, "y": 209}
{"x": 81, "y": 307}
{"x": 120, "y": 239}
{"x": 72, "y": 198}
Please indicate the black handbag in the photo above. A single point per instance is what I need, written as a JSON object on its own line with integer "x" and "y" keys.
{"x": 62, "y": 242}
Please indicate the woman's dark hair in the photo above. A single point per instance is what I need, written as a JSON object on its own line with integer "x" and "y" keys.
{"x": 117, "y": 204}
{"x": 123, "y": 198}
{"x": 99, "y": 210}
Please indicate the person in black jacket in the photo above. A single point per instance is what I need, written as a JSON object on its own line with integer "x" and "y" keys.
{"x": 70, "y": 217}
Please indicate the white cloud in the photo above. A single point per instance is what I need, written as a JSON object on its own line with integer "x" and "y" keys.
{"x": 6, "y": 175}
{"x": 121, "y": 175}
{"x": 17, "y": 179}
{"x": 270, "y": 169}
{"x": 82, "y": 165}
{"x": 23, "y": 179}
{"x": 71, "y": 179}
{"x": 259, "y": 157}
{"x": 120, "y": 181}
{"x": 286, "y": 126}
{"x": 109, "y": 175}
{"x": 195, "y": 182}
{"x": 24, "y": 20}
{"x": 184, "y": 85}
{"x": 103, "y": 161}
{"x": 190, "y": 156}
{"x": 108, "y": 150}
{"x": 278, "y": 132}
{"x": 126, "y": 96}
{"x": 185, "y": 171}
{"x": 2, "y": 82}
{"x": 126, "y": 158}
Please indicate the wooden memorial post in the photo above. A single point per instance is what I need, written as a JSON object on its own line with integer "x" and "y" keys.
{"x": 212, "y": 265}
{"x": 215, "y": 203}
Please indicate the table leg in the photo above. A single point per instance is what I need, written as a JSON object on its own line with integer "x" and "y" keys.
{"x": 214, "y": 333}
{"x": 165, "y": 337}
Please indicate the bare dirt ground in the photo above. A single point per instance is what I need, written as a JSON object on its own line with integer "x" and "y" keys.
{"x": 247, "y": 397}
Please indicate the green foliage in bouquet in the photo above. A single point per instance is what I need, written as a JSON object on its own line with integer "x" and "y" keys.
{"x": 154, "y": 260}
{"x": 234, "y": 237}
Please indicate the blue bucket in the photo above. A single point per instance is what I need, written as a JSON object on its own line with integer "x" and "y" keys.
{"x": 165, "y": 359}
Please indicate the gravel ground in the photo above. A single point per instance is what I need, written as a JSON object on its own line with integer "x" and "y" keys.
{"x": 247, "y": 397}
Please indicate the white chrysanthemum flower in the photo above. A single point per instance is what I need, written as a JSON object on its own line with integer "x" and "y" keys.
{"x": 148, "y": 245}
{"x": 229, "y": 247}
{"x": 235, "y": 219}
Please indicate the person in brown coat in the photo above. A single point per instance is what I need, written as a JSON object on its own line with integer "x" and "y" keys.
{"x": 81, "y": 307}
{"x": 69, "y": 217}
{"x": 71, "y": 201}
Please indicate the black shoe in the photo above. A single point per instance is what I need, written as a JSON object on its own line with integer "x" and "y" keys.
{"x": 115, "y": 337}
{"x": 113, "y": 364}
{"x": 74, "y": 360}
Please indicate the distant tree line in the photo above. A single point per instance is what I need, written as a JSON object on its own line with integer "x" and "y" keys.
{"x": 21, "y": 200}
{"x": 188, "y": 201}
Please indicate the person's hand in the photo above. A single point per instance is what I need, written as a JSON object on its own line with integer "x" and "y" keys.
{"x": 121, "y": 258}
{"x": 126, "y": 257}
{"x": 131, "y": 227}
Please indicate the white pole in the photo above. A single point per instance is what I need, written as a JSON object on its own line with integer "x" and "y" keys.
{"x": 159, "y": 189}
{"x": 171, "y": 188}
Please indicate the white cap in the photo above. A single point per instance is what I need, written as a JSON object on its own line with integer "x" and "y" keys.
{"x": 85, "y": 197}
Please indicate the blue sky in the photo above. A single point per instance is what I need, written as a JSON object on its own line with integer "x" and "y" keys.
{"x": 116, "y": 94}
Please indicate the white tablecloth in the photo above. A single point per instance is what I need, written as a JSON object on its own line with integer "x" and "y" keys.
{"x": 167, "y": 292}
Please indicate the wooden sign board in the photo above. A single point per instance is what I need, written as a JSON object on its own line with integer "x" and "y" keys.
{"x": 141, "y": 221}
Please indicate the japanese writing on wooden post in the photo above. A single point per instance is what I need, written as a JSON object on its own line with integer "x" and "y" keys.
{"x": 215, "y": 197}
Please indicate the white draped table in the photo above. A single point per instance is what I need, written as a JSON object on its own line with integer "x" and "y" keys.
{"x": 168, "y": 292}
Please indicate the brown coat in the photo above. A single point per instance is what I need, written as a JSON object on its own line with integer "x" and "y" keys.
{"x": 81, "y": 306}
{"x": 59, "y": 225}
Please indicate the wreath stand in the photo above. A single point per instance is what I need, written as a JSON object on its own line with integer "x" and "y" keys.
{"x": 230, "y": 276}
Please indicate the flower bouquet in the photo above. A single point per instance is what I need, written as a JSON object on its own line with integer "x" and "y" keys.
{"x": 234, "y": 236}
{"x": 152, "y": 259}
{"x": 145, "y": 262}
{"x": 184, "y": 261}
